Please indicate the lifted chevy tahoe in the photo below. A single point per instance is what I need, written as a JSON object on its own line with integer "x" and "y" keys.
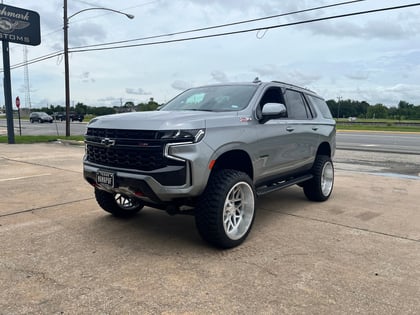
{"x": 211, "y": 151}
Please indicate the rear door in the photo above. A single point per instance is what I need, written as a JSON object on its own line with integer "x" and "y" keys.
{"x": 301, "y": 125}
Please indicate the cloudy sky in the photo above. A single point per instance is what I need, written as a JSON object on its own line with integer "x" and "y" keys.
{"x": 373, "y": 57}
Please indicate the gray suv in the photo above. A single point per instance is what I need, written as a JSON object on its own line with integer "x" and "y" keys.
{"x": 40, "y": 117}
{"x": 210, "y": 152}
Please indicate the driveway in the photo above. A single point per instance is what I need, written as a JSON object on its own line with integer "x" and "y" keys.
{"x": 60, "y": 253}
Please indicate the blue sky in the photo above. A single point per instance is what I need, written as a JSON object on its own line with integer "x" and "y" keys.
{"x": 373, "y": 57}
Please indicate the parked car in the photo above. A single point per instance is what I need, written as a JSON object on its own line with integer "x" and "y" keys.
{"x": 76, "y": 116}
{"x": 59, "y": 116}
{"x": 40, "y": 117}
{"x": 73, "y": 116}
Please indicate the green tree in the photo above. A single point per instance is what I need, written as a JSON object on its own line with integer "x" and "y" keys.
{"x": 151, "y": 105}
{"x": 348, "y": 108}
{"x": 377, "y": 111}
{"x": 102, "y": 110}
{"x": 81, "y": 108}
{"x": 128, "y": 105}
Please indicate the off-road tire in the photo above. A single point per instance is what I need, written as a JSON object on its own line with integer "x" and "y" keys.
{"x": 320, "y": 187}
{"x": 118, "y": 205}
{"x": 226, "y": 210}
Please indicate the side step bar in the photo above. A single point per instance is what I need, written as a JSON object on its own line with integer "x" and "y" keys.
{"x": 282, "y": 184}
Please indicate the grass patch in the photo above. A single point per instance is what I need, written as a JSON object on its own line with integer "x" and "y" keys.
{"x": 38, "y": 139}
{"x": 378, "y": 128}
{"x": 370, "y": 120}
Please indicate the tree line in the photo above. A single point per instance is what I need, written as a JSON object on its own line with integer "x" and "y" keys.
{"x": 102, "y": 110}
{"x": 351, "y": 108}
{"x": 339, "y": 109}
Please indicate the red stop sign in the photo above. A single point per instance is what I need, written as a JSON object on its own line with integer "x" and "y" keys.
{"x": 17, "y": 102}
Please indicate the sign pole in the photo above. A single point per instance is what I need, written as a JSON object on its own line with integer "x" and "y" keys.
{"x": 18, "y": 107}
{"x": 20, "y": 126}
{"x": 8, "y": 93}
{"x": 17, "y": 26}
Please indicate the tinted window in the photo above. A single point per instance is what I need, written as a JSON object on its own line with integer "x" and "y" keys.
{"x": 213, "y": 98}
{"x": 322, "y": 106}
{"x": 296, "y": 108}
{"x": 272, "y": 95}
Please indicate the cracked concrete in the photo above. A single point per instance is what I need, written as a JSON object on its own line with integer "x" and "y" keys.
{"x": 359, "y": 252}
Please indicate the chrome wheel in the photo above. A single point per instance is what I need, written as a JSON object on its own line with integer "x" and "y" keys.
{"x": 126, "y": 203}
{"x": 238, "y": 212}
{"x": 327, "y": 178}
{"x": 117, "y": 204}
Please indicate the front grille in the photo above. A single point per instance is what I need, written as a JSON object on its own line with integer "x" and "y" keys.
{"x": 122, "y": 134}
{"x": 141, "y": 150}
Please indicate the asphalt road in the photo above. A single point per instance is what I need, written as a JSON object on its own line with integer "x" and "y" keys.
{"x": 379, "y": 141}
{"x": 57, "y": 128}
{"x": 357, "y": 253}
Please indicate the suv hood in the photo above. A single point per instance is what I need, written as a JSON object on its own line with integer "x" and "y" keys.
{"x": 158, "y": 120}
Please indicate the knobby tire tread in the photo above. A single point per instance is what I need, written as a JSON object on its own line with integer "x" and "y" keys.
{"x": 208, "y": 214}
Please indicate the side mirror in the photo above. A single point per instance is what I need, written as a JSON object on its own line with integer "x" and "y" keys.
{"x": 273, "y": 110}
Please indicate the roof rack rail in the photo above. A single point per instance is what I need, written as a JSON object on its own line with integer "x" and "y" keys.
{"x": 294, "y": 85}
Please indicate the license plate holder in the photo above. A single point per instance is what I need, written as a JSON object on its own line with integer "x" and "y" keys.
{"x": 105, "y": 178}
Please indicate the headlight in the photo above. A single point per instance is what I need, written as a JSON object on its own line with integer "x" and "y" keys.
{"x": 188, "y": 135}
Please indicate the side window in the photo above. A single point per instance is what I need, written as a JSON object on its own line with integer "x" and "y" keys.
{"x": 271, "y": 95}
{"x": 295, "y": 104}
{"x": 322, "y": 106}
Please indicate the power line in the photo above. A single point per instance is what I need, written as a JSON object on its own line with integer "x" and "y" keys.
{"x": 250, "y": 30}
{"x": 89, "y": 48}
{"x": 222, "y": 25}
{"x": 35, "y": 60}
{"x": 52, "y": 55}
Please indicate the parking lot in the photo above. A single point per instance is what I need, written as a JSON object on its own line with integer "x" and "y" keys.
{"x": 60, "y": 253}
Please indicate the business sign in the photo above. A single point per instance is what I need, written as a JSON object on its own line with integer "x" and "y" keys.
{"x": 19, "y": 26}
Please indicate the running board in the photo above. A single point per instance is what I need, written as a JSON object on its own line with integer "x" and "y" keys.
{"x": 282, "y": 184}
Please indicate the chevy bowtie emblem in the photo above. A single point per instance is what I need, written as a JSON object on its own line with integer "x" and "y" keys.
{"x": 108, "y": 142}
{"x": 7, "y": 26}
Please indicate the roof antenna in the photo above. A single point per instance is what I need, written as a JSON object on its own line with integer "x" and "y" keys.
{"x": 256, "y": 80}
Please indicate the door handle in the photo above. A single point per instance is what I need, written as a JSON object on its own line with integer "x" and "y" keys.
{"x": 314, "y": 128}
{"x": 290, "y": 129}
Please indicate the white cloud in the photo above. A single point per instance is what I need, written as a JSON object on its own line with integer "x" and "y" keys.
{"x": 375, "y": 57}
{"x": 86, "y": 33}
{"x": 138, "y": 91}
{"x": 219, "y": 76}
{"x": 181, "y": 85}
{"x": 359, "y": 76}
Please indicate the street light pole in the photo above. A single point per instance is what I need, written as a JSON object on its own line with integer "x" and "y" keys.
{"x": 66, "y": 68}
{"x": 66, "y": 54}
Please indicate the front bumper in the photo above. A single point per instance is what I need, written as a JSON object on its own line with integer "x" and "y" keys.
{"x": 140, "y": 185}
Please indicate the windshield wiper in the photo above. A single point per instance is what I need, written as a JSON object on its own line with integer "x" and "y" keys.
{"x": 200, "y": 110}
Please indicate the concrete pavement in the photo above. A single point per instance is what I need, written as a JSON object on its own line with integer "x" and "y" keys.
{"x": 60, "y": 253}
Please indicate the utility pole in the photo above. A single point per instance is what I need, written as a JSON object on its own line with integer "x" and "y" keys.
{"x": 338, "y": 109}
{"x": 66, "y": 68}
{"x": 66, "y": 54}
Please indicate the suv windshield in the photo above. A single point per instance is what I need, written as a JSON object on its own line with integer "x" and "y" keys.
{"x": 218, "y": 98}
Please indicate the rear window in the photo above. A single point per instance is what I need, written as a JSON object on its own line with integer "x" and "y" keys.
{"x": 321, "y": 105}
